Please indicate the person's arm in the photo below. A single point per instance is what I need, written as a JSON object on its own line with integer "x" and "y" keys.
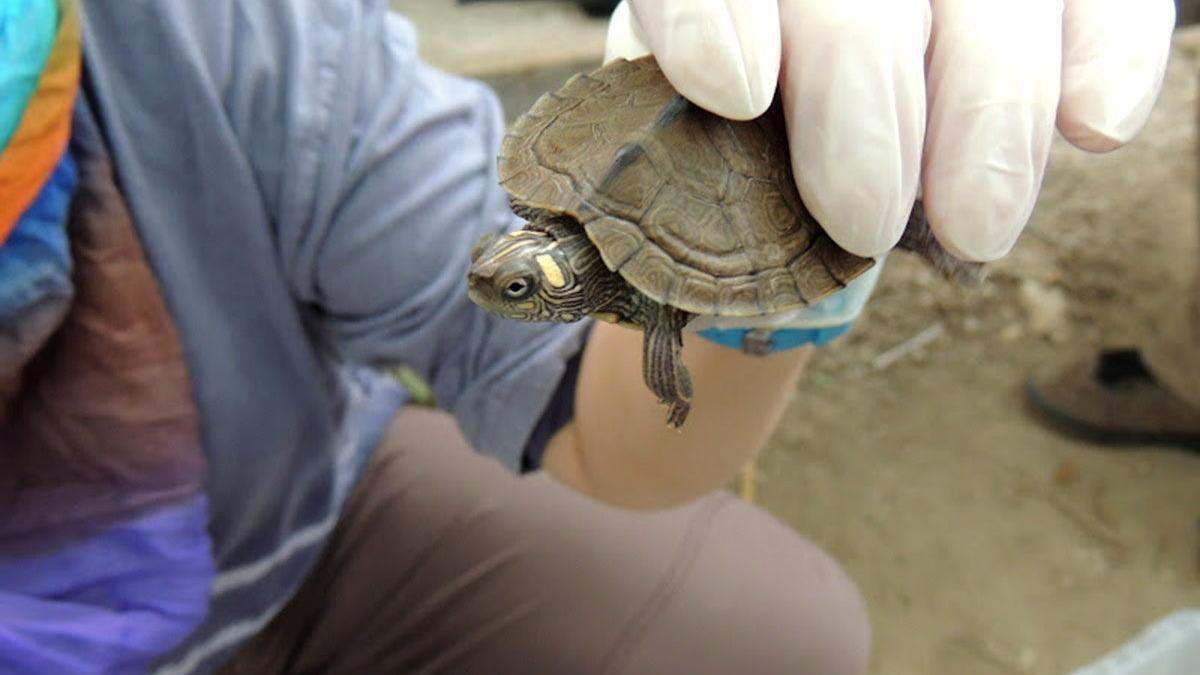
{"x": 618, "y": 449}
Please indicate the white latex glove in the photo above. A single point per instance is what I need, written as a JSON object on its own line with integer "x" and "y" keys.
{"x": 957, "y": 97}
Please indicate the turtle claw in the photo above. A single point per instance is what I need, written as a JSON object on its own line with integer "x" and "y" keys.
{"x": 662, "y": 365}
{"x": 681, "y": 403}
{"x": 677, "y": 414}
{"x": 918, "y": 238}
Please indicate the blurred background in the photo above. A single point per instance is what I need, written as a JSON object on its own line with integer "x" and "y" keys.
{"x": 986, "y": 543}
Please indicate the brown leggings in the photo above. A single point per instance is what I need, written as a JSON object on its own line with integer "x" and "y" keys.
{"x": 447, "y": 563}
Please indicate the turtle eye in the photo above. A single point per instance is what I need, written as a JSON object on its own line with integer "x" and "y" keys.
{"x": 518, "y": 288}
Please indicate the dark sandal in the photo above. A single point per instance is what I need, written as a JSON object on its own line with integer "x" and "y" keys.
{"x": 1112, "y": 397}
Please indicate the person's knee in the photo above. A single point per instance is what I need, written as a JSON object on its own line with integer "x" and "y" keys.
{"x": 808, "y": 613}
{"x": 760, "y": 598}
{"x": 833, "y": 626}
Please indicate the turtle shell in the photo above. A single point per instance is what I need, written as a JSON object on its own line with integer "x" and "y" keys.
{"x": 694, "y": 210}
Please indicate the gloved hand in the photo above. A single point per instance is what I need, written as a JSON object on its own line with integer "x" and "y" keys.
{"x": 960, "y": 97}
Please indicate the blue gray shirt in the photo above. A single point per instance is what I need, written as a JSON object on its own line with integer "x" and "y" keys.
{"x": 306, "y": 192}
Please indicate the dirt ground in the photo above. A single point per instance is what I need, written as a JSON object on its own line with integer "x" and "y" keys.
{"x": 985, "y": 543}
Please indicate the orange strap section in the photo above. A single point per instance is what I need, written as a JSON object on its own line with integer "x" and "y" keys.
{"x": 41, "y": 138}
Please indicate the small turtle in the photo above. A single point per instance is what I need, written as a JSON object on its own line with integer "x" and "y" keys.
{"x": 646, "y": 210}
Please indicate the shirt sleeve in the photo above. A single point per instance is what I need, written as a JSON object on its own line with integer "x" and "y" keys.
{"x": 377, "y": 219}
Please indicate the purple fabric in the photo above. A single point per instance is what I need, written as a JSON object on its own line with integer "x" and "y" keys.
{"x": 112, "y": 603}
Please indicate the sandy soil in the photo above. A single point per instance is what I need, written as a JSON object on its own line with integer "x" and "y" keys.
{"x": 985, "y": 542}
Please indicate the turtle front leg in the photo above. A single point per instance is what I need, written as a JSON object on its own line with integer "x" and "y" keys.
{"x": 662, "y": 362}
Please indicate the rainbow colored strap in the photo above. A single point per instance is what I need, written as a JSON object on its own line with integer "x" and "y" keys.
{"x": 27, "y": 30}
{"x": 37, "y": 143}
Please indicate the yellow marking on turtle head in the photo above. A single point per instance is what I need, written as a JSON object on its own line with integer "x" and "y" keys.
{"x": 551, "y": 270}
{"x": 608, "y": 317}
{"x": 508, "y": 248}
{"x": 529, "y": 304}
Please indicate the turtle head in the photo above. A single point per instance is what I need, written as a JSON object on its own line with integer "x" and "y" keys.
{"x": 524, "y": 276}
